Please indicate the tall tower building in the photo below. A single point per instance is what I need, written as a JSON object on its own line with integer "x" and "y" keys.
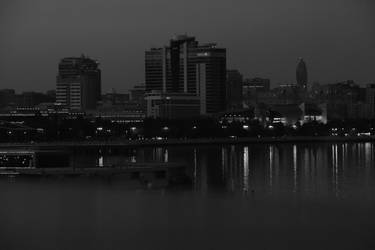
{"x": 233, "y": 89}
{"x": 78, "y": 83}
{"x": 185, "y": 66}
{"x": 301, "y": 73}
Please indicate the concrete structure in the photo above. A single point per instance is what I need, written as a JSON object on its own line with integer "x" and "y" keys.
{"x": 234, "y": 89}
{"x": 137, "y": 95}
{"x": 6, "y": 97}
{"x": 287, "y": 114}
{"x": 254, "y": 90}
{"x": 78, "y": 83}
{"x": 191, "y": 68}
{"x": 345, "y": 100}
{"x": 256, "y": 84}
{"x": 312, "y": 112}
{"x": 172, "y": 105}
{"x": 370, "y": 100}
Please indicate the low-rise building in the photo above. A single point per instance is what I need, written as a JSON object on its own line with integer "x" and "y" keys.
{"x": 172, "y": 105}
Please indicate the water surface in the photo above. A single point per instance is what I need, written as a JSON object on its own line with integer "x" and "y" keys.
{"x": 284, "y": 196}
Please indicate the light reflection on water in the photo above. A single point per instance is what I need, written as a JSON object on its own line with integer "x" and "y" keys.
{"x": 324, "y": 169}
{"x": 283, "y": 196}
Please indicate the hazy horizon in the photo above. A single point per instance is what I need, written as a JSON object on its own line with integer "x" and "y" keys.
{"x": 263, "y": 38}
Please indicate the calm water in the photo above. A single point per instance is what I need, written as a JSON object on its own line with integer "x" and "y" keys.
{"x": 286, "y": 196}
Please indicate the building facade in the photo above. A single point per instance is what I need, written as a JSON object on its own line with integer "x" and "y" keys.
{"x": 370, "y": 100}
{"x": 78, "y": 83}
{"x": 172, "y": 105}
{"x": 234, "y": 89}
{"x": 185, "y": 66}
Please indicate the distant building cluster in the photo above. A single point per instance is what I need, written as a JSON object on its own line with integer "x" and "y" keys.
{"x": 187, "y": 79}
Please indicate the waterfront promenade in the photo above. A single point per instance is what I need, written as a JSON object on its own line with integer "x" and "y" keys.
{"x": 183, "y": 141}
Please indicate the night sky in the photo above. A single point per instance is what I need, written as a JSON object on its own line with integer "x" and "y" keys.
{"x": 263, "y": 38}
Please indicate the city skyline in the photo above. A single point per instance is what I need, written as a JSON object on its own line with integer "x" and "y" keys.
{"x": 200, "y": 124}
{"x": 336, "y": 39}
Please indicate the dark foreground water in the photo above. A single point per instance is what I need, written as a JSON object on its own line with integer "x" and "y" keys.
{"x": 285, "y": 196}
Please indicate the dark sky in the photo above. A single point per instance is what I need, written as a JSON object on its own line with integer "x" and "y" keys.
{"x": 263, "y": 37}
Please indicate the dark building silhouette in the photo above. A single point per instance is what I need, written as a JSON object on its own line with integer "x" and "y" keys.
{"x": 185, "y": 66}
{"x": 113, "y": 98}
{"x": 31, "y": 99}
{"x": 301, "y": 74}
{"x": 7, "y": 96}
{"x": 234, "y": 89}
{"x": 256, "y": 90}
{"x": 257, "y": 84}
{"x": 344, "y": 100}
{"x": 137, "y": 94}
{"x": 370, "y": 100}
{"x": 78, "y": 83}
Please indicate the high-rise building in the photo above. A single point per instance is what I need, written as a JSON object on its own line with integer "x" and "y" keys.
{"x": 185, "y": 66}
{"x": 301, "y": 74}
{"x": 234, "y": 89}
{"x": 370, "y": 100}
{"x": 78, "y": 83}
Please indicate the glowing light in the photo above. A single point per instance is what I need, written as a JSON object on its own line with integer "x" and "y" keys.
{"x": 101, "y": 161}
{"x": 246, "y": 169}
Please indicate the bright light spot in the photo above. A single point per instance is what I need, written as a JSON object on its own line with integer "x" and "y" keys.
{"x": 245, "y": 127}
{"x": 99, "y": 128}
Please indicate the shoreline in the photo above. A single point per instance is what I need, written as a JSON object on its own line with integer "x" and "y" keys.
{"x": 199, "y": 141}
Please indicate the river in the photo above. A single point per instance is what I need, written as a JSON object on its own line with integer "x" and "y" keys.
{"x": 255, "y": 196}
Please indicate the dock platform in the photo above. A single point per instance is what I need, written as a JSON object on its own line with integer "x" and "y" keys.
{"x": 146, "y": 173}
